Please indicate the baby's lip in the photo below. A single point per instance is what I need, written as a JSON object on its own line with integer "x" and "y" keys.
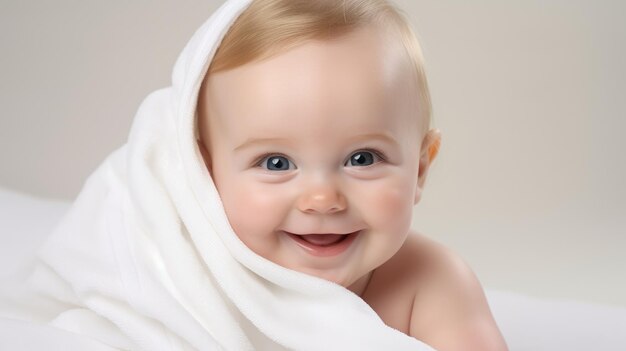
{"x": 323, "y": 245}
{"x": 333, "y": 233}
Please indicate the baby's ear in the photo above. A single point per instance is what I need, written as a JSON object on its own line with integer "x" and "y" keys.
{"x": 428, "y": 153}
{"x": 205, "y": 155}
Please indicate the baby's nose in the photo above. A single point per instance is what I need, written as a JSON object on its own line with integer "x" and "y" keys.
{"x": 321, "y": 199}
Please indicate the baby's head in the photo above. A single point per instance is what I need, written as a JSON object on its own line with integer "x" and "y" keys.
{"x": 314, "y": 119}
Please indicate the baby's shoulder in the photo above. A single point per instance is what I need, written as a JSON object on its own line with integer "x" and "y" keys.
{"x": 450, "y": 310}
{"x": 430, "y": 261}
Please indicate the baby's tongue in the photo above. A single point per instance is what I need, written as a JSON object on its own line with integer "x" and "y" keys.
{"x": 322, "y": 239}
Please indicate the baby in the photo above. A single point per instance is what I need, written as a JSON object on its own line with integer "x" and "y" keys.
{"x": 314, "y": 122}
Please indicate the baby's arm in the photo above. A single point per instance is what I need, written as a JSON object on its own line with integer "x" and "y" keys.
{"x": 450, "y": 311}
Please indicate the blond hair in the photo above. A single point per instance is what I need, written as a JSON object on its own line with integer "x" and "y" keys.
{"x": 268, "y": 27}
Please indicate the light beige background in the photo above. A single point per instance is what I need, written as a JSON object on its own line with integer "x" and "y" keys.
{"x": 529, "y": 184}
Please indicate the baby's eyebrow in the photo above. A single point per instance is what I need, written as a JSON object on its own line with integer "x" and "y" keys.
{"x": 385, "y": 137}
{"x": 255, "y": 141}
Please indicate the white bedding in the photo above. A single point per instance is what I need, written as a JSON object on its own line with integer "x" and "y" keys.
{"x": 528, "y": 323}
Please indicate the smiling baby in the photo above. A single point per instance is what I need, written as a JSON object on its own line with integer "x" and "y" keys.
{"x": 314, "y": 123}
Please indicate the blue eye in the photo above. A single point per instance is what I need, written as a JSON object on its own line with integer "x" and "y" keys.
{"x": 362, "y": 158}
{"x": 276, "y": 163}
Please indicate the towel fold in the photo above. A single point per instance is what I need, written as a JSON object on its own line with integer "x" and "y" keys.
{"x": 145, "y": 258}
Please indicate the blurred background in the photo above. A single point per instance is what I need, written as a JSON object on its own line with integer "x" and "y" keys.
{"x": 528, "y": 185}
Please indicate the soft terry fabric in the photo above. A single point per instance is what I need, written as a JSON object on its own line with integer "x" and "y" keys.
{"x": 145, "y": 258}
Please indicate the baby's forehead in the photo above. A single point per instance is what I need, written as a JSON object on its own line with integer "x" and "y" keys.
{"x": 355, "y": 75}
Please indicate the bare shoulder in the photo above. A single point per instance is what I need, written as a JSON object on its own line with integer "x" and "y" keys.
{"x": 450, "y": 310}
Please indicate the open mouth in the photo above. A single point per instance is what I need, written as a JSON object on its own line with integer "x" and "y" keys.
{"x": 324, "y": 245}
{"x": 324, "y": 239}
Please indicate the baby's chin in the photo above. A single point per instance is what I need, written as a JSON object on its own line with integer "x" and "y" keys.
{"x": 342, "y": 275}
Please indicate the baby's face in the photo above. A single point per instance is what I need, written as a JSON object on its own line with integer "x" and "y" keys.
{"x": 319, "y": 139}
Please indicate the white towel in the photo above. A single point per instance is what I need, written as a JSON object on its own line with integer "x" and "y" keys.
{"x": 145, "y": 259}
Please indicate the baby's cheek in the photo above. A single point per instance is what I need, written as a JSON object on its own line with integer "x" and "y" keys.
{"x": 389, "y": 205}
{"x": 253, "y": 211}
